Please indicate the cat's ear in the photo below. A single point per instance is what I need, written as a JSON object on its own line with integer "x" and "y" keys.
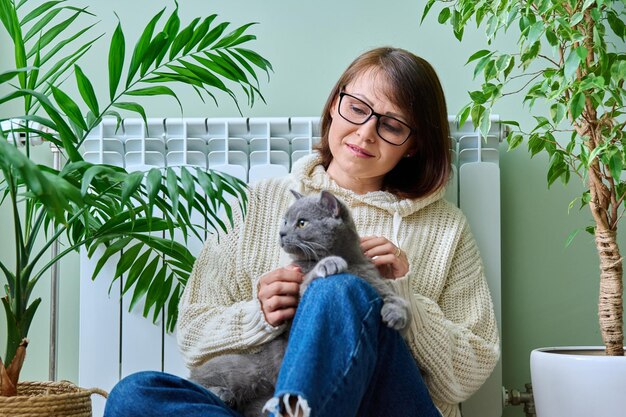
{"x": 329, "y": 201}
{"x": 296, "y": 194}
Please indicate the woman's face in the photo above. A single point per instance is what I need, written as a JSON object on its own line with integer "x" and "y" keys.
{"x": 360, "y": 157}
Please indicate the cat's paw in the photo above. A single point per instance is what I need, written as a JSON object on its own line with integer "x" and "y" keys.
{"x": 395, "y": 313}
{"x": 330, "y": 265}
{"x": 225, "y": 394}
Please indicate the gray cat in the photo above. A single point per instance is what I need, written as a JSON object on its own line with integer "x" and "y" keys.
{"x": 320, "y": 236}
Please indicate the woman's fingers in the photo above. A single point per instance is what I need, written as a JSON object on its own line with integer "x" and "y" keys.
{"x": 278, "y": 288}
{"x": 278, "y": 317}
{"x": 278, "y": 293}
{"x": 391, "y": 261}
{"x": 377, "y": 246}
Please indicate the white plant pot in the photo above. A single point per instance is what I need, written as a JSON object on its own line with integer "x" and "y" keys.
{"x": 578, "y": 382}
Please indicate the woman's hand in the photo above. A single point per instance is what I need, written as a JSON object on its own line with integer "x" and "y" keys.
{"x": 390, "y": 260}
{"x": 278, "y": 293}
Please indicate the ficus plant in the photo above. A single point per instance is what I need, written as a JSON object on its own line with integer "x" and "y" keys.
{"x": 94, "y": 206}
{"x": 568, "y": 67}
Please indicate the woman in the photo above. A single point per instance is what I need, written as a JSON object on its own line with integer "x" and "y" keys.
{"x": 385, "y": 153}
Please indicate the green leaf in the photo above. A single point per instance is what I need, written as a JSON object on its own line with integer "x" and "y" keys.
{"x": 481, "y": 64}
{"x": 616, "y": 24}
{"x": 134, "y": 107}
{"x": 153, "y": 293}
{"x": 189, "y": 188}
{"x": 117, "y": 51}
{"x": 171, "y": 29}
{"x": 587, "y": 3}
{"x": 130, "y": 186}
{"x": 255, "y": 59}
{"x": 38, "y": 27}
{"x": 557, "y": 112}
{"x": 34, "y": 179}
{"x": 464, "y": 114}
{"x": 215, "y": 33}
{"x": 58, "y": 46}
{"x": 199, "y": 33}
{"x": 478, "y": 97}
{"x": 479, "y": 54}
{"x": 552, "y": 38}
{"x": 155, "y": 91}
{"x": 154, "y": 50}
{"x": 172, "y": 308}
{"x": 215, "y": 67}
{"x": 142, "y": 274}
{"x": 535, "y": 144}
{"x": 161, "y": 296}
{"x": 476, "y": 114}
{"x": 557, "y": 168}
{"x": 141, "y": 47}
{"x": 535, "y": 32}
{"x": 427, "y": 8}
{"x": 233, "y": 38}
{"x": 577, "y": 105}
{"x": 127, "y": 259}
{"x": 39, "y": 11}
{"x": 64, "y": 64}
{"x": 571, "y": 65}
{"x": 616, "y": 164}
{"x": 90, "y": 174}
{"x": 135, "y": 270}
{"x": 9, "y": 75}
{"x": 485, "y": 122}
{"x": 143, "y": 283}
{"x": 172, "y": 188}
{"x": 571, "y": 237}
{"x": 582, "y": 53}
{"x": 52, "y": 34}
{"x": 153, "y": 184}
{"x": 203, "y": 75}
{"x": 86, "y": 90}
{"x": 68, "y": 137}
{"x": 514, "y": 140}
{"x": 183, "y": 38}
{"x": 69, "y": 107}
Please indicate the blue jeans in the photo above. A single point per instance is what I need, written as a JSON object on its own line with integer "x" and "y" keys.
{"x": 341, "y": 360}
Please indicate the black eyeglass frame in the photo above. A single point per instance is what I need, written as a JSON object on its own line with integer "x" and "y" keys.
{"x": 372, "y": 113}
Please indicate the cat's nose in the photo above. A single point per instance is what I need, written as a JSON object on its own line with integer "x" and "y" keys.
{"x": 282, "y": 234}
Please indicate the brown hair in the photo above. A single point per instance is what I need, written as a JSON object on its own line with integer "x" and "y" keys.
{"x": 414, "y": 87}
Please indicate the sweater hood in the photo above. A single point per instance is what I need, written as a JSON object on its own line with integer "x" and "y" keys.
{"x": 311, "y": 177}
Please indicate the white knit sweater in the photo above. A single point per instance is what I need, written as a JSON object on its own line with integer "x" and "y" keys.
{"x": 453, "y": 336}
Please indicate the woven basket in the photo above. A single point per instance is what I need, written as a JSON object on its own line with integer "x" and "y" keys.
{"x": 49, "y": 399}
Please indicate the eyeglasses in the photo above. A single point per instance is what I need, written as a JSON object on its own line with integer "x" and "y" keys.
{"x": 356, "y": 111}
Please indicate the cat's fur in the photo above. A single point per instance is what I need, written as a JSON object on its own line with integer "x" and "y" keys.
{"x": 320, "y": 236}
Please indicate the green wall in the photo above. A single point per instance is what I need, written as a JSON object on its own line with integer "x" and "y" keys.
{"x": 548, "y": 292}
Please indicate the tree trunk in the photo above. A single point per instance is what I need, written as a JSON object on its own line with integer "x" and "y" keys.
{"x": 10, "y": 375}
{"x": 610, "y": 308}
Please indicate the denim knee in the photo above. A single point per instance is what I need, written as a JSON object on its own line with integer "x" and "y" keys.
{"x": 342, "y": 290}
{"x": 129, "y": 391}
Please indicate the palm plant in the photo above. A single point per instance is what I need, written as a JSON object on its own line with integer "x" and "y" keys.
{"x": 571, "y": 57}
{"x": 96, "y": 205}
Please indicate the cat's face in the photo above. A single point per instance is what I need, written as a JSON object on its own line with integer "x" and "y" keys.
{"x": 310, "y": 225}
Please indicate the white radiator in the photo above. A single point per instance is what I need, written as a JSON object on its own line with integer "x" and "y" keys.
{"x": 115, "y": 343}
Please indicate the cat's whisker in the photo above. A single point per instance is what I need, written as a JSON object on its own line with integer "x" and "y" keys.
{"x": 308, "y": 251}
{"x": 319, "y": 245}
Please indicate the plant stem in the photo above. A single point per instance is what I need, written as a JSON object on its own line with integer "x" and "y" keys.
{"x": 610, "y": 308}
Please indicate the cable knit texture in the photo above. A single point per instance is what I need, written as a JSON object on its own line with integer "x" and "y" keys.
{"x": 453, "y": 335}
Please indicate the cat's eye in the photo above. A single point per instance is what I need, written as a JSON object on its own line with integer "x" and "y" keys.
{"x": 301, "y": 223}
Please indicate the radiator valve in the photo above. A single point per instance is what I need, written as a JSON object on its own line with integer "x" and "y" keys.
{"x": 514, "y": 397}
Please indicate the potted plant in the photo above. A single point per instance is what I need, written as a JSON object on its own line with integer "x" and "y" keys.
{"x": 95, "y": 205}
{"x": 571, "y": 58}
